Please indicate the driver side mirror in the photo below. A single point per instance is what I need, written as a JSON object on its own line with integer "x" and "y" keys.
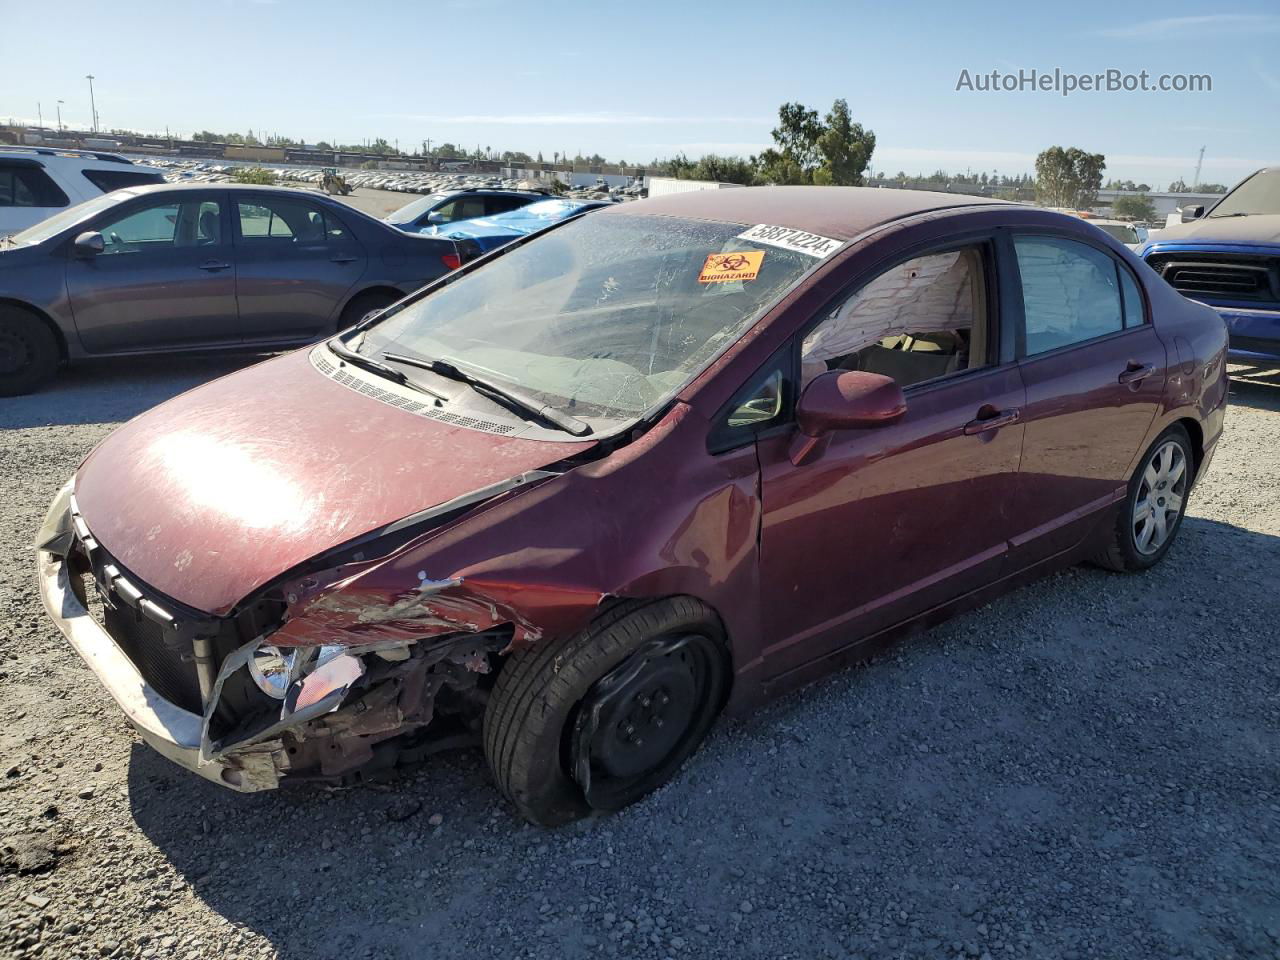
{"x": 845, "y": 400}
{"x": 1191, "y": 213}
{"x": 435, "y": 216}
{"x": 89, "y": 244}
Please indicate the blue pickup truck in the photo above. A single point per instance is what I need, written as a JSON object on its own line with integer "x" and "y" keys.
{"x": 1229, "y": 258}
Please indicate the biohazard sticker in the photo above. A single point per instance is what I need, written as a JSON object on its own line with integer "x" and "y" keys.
{"x": 789, "y": 239}
{"x": 730, "y": 267}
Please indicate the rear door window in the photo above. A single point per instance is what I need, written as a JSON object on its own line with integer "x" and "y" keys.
{"x": 1070, "y": 292}
{"x": 28, "y": 186}
{"x": 283, "y": 221}
{"x": 108, "y": 180}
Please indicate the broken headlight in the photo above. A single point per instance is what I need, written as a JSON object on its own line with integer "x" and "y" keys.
{"x": 275, "y": 670}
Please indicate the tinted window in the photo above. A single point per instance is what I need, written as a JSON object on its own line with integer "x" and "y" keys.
{"x": 1070, "y": 292}
{"x": 923, "y": 319}
{"x": 281, "y": 220}
{"x": 503, "y": 204}
{"x": 23, "y": 186}
{"x": 108, "y": 180}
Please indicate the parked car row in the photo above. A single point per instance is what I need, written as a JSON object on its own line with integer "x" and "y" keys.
{"x": 576, "y": 497}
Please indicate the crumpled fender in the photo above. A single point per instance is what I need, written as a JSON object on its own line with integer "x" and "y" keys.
{"x": 658, "y": 517}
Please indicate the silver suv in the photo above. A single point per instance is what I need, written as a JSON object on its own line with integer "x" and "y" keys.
{"x": 37, "y": 182}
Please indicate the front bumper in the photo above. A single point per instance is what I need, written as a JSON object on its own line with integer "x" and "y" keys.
{"x": 1254, "y": 335}
{"x": 167, "y": 728}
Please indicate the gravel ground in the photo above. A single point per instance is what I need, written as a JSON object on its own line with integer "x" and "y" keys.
{"x": 1086, "y": 768}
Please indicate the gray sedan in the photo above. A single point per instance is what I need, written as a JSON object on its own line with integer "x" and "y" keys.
{"x": 198, "y": 267}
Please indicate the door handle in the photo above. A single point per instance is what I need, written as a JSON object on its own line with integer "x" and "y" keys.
{"x": 990, "y": 419}
{"x": 214, "y": 266}
{"x": 1136, "y": 372}
{"x": 342, "y": 258}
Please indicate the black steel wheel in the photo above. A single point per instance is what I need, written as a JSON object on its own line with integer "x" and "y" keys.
{"x": 596, "y": 721}
{"x": 29, "y": 353}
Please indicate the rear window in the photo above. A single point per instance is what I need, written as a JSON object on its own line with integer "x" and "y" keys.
{"x": 108, "y": 180}
{"x": 28, "y": 186}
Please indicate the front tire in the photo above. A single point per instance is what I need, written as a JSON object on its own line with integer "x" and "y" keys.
{"x": 596, "y": 721}
{"x": 1153, "y": 511}
{"x": 29, "y": 352}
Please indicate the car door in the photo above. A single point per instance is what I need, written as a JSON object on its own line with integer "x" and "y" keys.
{"x": 1095, "y": 372}
{"x": 164, "y": 279}
{"x": 884, "y": 523}
{"x": 296, "y": 262}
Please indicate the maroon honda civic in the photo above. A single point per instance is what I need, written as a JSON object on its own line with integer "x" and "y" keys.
{"x": 574, "y": 500}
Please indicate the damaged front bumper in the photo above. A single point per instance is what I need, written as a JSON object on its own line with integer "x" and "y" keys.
{"x": 336, "y": 706}
{"x": 170, "y": 730}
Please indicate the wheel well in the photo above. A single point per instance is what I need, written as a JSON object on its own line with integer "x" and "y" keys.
{"x": 612, "y": 607}
{"x": 43, "y": 318}
{"x": 1196, "y": 434}
{"x": 391, "y": 292}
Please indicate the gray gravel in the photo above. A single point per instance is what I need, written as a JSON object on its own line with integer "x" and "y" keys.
{"x": 1086, "y": 768}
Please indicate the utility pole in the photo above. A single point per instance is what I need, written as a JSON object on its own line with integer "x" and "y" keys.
{"x": 59, "y": 116}
{"x": 39, "y": 116}
{"x": 93, "y": 109}
{"x": 1196, "y": 182}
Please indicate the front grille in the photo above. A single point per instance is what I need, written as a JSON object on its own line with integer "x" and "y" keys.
{"x": 159, "y": 657}
{"x": 1255, "y": 279}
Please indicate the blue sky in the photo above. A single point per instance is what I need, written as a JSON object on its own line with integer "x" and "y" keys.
{"x": 636, "y": 81}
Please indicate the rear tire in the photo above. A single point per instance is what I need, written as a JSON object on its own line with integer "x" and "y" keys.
{"x": 1152, "y": 512}
{"x": 363, "y": 304}
{"x": 660, "y": 666}
{"x": 29, "y": 352}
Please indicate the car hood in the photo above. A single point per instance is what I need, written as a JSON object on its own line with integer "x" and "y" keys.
{"x": 1259, "y": 228}
{"x": 210, "y": 496}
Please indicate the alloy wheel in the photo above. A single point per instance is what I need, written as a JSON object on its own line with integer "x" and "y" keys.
{"x": 1162, "y": 495}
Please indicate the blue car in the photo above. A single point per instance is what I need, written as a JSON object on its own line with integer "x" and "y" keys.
{"x": 451, "y": 206}
{"x": 489, "y": 233}
{"x": 1229, "y": 259}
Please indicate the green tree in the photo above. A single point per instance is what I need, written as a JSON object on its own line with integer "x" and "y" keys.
{"x": 1134, "y": 208}
{"x": 255, "y": 175}
{"x": 845, "y": 148}
{"x": 1068, "y": 177}
{"x": 721, "y": 169}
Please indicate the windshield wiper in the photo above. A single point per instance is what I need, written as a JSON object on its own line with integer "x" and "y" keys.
{"x": 566, "y": 422}
{"x": 374, "y": 366}
{"x": 1224, "y": 216}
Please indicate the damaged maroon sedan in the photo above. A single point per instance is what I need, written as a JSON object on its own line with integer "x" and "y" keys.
{"x": 576, "y": 499}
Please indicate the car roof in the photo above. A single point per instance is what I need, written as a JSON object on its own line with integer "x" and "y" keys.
{"x": 59, "y": 153}
{"x": 837, "y": 212}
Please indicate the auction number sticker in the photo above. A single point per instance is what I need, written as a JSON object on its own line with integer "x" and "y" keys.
{"x": 729, "y": 267}
{"x": 789, "y": 239}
